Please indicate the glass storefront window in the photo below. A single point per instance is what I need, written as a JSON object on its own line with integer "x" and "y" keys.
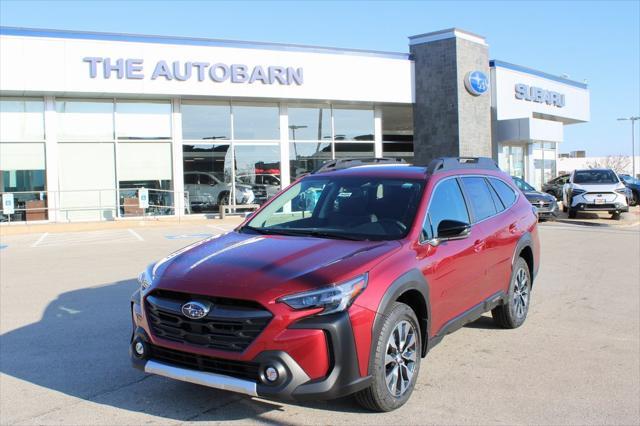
{"x": 207, "y": 176}
{"x": 145, "y": 165}
{"x": 511, "y": 160}
{"x": 85, "y": 119}
{"x": 309, "y": 124}
{"x": 87, "y": 181}
{"x": 22, "y": 172}
{"x": 353, "y": 124}
{"x": 544, "y": 163}
{"x": 256, "y": 122}
{"x": 143, "y": 120}
{"x": 21, "y": 119}
{"x": 257, "y": 172}
{"x": 398, "y": 150}
{"x": 354, "y": 150}
{"x": 206, "y": 121}
{"x": 305, "y": 157}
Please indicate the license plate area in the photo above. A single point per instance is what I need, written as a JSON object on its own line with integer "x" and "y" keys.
{"x": 600, "y": 200}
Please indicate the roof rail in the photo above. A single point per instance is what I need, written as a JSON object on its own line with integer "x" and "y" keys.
{"x": 456, "y": 163}
{"x": 345, "y": 163}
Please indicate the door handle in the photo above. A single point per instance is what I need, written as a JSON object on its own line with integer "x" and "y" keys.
{"x": 478, "y": 245}
{"x": 513, "y": 228}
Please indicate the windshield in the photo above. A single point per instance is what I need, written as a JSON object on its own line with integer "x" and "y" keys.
{"x": 524, "y": 186}
{"x": 358, "y": 208}
{"x": 595, "y": 177}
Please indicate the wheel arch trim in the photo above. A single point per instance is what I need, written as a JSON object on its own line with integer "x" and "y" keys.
{"x": 412, "y": 280}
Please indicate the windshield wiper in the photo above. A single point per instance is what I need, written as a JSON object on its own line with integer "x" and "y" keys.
{"x": 270, "y": 231}
{"x": 303, "y": 232}
{"x": 337, "y": 235}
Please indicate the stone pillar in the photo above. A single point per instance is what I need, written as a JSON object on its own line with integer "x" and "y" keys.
{"x": 448, "y": 119}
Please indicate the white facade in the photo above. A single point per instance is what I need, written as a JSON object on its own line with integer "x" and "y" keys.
{"x": 530, "y": 109}
{"x": 61, "y": 66}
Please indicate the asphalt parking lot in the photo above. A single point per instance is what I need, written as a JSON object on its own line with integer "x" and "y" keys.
{"x": 65, "y": 326}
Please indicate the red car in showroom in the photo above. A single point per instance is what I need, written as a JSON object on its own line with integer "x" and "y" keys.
{"x": 342, "y": 283}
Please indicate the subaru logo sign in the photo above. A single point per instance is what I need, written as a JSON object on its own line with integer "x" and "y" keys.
{"x": 476, "y": 82}
{"x": 195, "y": 310}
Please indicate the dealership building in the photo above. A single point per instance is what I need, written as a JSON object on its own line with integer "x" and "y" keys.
{"x": 88, "y": 119}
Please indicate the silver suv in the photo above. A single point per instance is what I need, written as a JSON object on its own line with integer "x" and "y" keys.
{"x": 594, "y": 190}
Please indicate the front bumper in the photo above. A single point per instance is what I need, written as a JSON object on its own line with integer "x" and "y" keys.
{"x": 609, "y": 207}
{"x": 599, "y": 202}
{"x": 546, "y": 211}
{"x": 249, "y": 378}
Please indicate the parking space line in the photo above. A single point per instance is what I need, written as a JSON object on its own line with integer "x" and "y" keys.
{"x": 219, "y": 228}
{"x": 181, "y": 236}
{"x": 135, "y": 234}
{"x": 42, "y": 237}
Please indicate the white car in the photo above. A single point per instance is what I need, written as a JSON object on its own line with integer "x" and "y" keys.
{"x": 591, "y": 190}
{"x": 206, "y": 191}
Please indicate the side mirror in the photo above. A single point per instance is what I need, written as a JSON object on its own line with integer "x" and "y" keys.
{"x": 450, "y": 230}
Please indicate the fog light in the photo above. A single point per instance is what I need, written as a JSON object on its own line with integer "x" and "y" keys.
{"x": 271, "y": 374}
{"x": 139, "y": 348}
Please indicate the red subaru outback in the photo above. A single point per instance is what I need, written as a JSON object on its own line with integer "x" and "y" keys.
{"x": 342, "y": 283}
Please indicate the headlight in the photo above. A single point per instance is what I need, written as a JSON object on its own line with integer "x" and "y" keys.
{"x": 146, "y": 277}
{"x": 577, "y": 191}
{"x": 623, "y": 191}
{"x": 335, "y": 298}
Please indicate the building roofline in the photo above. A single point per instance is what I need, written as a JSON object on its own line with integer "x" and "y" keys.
{"x": 445, "y": 34}
{"x": 194, "y": 41}
{"x": 501, "y": 64}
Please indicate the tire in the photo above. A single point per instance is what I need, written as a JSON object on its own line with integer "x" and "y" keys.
{"x": 513, "y": 313}
{"x": 223, "y": 199}
{"x": 572, "y": 213}
{"x": 378, "y": 396}
{"x": 616, "y": 215}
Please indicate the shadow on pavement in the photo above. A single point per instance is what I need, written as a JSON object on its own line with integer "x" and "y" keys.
{"x": 485, "y": 323}
{"x": 80, "y": 348}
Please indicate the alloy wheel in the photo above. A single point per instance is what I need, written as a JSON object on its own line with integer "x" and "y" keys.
{"x": 521, "y": 293}
{"x": 400, "y": 358}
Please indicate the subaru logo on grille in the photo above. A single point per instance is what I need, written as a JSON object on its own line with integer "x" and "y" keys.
{"x": 195, "y": 310}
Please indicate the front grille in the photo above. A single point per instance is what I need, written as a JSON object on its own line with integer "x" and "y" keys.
{"x": 230, "y": 325}
{"x": 600, "y": 206}
{"x": 239, "y": 369}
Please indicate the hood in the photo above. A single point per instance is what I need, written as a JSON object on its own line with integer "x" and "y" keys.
{"x": 606, "y": 187}
{"x": 535, "y": 196}
{"x": 238, "y": 265}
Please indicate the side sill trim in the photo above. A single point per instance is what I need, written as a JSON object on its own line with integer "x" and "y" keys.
{"x": 212, "y": 380}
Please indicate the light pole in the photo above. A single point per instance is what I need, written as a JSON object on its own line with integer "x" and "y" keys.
{"x": 633, "y": 143}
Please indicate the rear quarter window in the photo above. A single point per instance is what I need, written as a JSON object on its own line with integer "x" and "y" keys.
{"x": 505, "y": 192}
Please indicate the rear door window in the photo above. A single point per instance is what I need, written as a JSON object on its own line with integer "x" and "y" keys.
{"x": 479, "y": 196}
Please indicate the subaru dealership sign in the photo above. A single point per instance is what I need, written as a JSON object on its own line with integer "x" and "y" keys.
{"x": 133, "y": 69}
{"x": 476, "y": 83}
{"x": 539, "y": 95}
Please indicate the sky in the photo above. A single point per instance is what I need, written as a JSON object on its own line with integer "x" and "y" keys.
{"x": 587, "y": 40}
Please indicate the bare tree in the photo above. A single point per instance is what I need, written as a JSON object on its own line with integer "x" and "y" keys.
{"x": 617, "y": 163}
